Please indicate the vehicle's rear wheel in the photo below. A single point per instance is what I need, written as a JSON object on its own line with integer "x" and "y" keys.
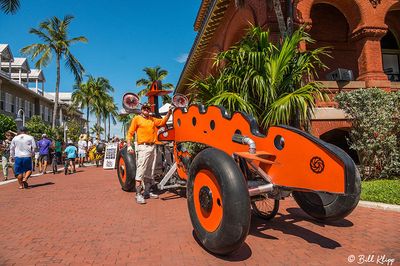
{"x": 126, "y": 169}
{"x": 218, "y": 201}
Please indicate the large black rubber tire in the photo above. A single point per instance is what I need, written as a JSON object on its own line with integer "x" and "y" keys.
{"x": 130, "y": 169}
{"x": 326, "y": 206}
{"x": 236, "y": 214}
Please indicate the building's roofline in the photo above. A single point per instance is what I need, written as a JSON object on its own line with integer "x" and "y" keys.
{"x": 37, "y": 73}
{"x": 19, "y": 62}
{"x": 6, "y": 48}
{"x": 214, "y": 15}
{"x": 200, "y": 14}
{"x": 13, "y": 82}
{"x": 32, "y": 75}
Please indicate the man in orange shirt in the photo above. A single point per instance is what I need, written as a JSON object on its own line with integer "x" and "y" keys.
{"x": 145, "y": 127}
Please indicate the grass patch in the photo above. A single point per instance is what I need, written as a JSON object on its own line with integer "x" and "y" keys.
{"x": 386, "y": 191}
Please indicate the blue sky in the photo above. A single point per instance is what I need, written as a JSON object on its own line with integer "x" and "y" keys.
{"x": 124, "y": 37}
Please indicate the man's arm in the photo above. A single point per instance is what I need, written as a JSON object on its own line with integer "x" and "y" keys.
{"x": 12, "y": 149}
{"x": 162, "y": 122}
{"x": 33, "y": 146}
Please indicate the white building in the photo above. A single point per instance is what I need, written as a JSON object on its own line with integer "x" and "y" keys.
{"x": 24, "y": 88}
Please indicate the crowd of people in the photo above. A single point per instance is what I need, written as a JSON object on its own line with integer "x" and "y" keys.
{"x": 25, "y": 154}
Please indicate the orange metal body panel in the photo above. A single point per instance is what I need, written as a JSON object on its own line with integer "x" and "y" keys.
{"x": 301, "y": 164}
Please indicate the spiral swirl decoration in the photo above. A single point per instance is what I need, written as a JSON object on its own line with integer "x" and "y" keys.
{"x": 317, "y": 165}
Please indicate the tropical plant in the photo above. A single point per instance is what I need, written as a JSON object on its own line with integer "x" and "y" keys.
{"x": 74, "y": 130}
{"x": 269, "y": 81}
{"x": 375, "y": 132}
{"x": 97, "y": 129}
{"x": 285, "y": 30}
{"x": 54, "y": 35}
{"x": 90, "y": 95}
{"x": 126, "y": 121}
{"x": 6, "y": 123}
{"x": 154, "y": 74}
{"x": 110, "y": 114}
{"x": 9, "y": 6}
{"x": 37, "y": 127}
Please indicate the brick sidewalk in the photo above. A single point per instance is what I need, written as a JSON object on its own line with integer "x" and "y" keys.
{"x": 87, "y": 219}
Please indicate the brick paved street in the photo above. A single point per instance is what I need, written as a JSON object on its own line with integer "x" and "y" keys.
{"x": 87, "y": 219}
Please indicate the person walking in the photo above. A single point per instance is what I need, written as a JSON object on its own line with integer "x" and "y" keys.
{"x": 70, "y": 152}
{"x": 145, "y": 127}
{"x": 58, "y": 149}
{"x": 5, "y": 154}
{"x": 82, "y": 147}
{"x": 21, "y": 150}
{"x": 44, "y": 153}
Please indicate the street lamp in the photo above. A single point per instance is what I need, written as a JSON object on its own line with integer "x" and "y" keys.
{"x": 20, "y": 118}
{"x": 65, "y": 131}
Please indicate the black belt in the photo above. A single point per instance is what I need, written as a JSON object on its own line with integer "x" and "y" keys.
{"x": 147, "y": 143}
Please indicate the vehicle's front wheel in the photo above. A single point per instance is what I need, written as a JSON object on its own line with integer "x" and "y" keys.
{"x": 126, "y": 169}
{"x": 218, "y": 201}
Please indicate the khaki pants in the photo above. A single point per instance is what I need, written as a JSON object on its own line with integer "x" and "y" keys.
{"x": 145, "y": 163}
{"x": 4, "y": 164}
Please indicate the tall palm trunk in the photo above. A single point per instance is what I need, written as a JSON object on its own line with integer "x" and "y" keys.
{"x": 109, "y": 125}
{"x": 87, "y": 123}
{"x": 280, "y": 18}
{"x": 105, "y": 127}
{"x": 53, "y": 125}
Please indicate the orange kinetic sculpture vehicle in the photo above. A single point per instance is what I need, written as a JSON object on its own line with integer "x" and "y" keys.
{"x": 242, "y": 170}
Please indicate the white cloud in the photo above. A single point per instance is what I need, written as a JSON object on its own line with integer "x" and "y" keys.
{"x": 182, "y": 58}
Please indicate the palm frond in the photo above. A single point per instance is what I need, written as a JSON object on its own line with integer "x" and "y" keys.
{"x": 9, "y": 6}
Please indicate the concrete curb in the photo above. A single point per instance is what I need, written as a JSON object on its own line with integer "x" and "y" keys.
{"x": 379, "y": 205}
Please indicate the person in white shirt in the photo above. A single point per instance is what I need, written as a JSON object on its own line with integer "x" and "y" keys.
{"x": 21, "y": 150}
{"x": 82, "y": 147}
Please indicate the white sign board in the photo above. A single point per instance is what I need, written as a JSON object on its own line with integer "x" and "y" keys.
{"x": 110, "y": 156}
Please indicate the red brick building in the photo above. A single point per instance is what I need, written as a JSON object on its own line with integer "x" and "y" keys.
{"x": 364, "y": 35}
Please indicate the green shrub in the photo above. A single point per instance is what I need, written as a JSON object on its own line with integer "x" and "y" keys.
{"x": 375, "y": 130}
{"x": 37, "y": 127}
{"x": 74, "y": 130}
{"x": 386, "y": 191}
{"x": 6, "y": 123}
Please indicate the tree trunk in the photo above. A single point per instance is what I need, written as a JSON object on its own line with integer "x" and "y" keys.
{"x": 87, "y": 123}
{"x": 280, "y": 18}
{"x": 53, "y": 125}
{"x": 109, "y": 126}
{"x": 105, "y": 127}
{"x": 289, "y": 20}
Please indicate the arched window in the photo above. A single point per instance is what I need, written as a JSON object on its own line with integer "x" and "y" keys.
{"x": 391, "y": 56}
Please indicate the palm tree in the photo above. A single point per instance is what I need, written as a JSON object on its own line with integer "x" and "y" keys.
{"x": 90, "y": 95}
{"x": 154, "y": 74}
{"x": 266, "y": 80}
{"x": 9, "y": 6}
{"x": 111, "y": 112}
{"x": 125, "y": 120}
{"x": 54, "y": 35}
{"x": 97, "y": 129}
{"x": 82, "y": 97}
{"x": 278, "y": 13}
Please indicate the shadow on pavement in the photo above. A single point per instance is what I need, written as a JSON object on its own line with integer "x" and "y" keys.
{"x": 287, "y": 225}
{"x": 40, "y": 185}
{"x": 176, "y": 194}
{"x": 243, "y": 253}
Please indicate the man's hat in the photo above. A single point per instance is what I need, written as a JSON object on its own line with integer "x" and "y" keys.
{"x": 44, "y": 135}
